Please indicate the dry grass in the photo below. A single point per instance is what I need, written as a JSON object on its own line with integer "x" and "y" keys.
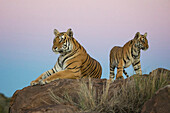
{"x": 128, "y": 98}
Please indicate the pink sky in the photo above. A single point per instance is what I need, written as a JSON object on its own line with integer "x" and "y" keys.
{"x": 26, "y": 33}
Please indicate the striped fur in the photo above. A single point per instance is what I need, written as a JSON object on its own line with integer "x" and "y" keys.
{"x": 73, "y": 63}
{"x": 123, "y": 57}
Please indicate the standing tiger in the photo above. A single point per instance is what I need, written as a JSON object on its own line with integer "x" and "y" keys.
{"x": 123, "y": 57}
{"x": 73, "y": 63}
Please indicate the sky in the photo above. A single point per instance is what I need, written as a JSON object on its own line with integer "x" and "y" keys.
{"x": 26, "y": 34}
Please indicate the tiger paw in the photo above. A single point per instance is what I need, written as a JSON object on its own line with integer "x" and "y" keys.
{"x": 35, "y": 82}
{"x": 119, "y": 77}
{"x": 43, "y": 82}
{"x": 111, "y": 80}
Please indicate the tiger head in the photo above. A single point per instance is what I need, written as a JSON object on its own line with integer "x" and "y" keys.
{"x": 61, "y": 42}
{"x": 141, "y": 41}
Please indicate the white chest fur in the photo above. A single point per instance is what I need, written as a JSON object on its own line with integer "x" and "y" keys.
{"x": 59, "y": 65}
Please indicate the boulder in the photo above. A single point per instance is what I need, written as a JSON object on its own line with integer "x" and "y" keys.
{"x": 42, "y": 98}
{"x": 159, "y": 103}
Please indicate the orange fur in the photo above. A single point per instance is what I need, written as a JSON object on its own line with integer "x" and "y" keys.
{"x": 73, "y": 63}
{"x": 123, "y": 57}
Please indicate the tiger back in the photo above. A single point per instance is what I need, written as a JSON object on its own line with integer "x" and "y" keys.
{"x": 123, "y": 57}
{"x": 73, "y": 63}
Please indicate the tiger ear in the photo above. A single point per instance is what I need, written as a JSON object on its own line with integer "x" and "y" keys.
{"x": 70, "y": 32}
{"x": 65, "y": 35}
{"x": 56, "y": 32}
{"x": 137, "y": 35}
{"x": 145, "y": 34}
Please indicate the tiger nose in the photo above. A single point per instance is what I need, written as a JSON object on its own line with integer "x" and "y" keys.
{"x": 54, "y": 48}
{"x": 147, "y": 46}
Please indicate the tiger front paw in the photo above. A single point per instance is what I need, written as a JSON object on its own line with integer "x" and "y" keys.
{"x": 43, "y": 82}
{"x": 35, "y": 82}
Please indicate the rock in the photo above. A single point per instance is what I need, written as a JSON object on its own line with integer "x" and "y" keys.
{"x": 159, "y": 103}
{"x": 53, "y": 109}
{"x": 39, "y": 99}
{"x": 4, "y": 104}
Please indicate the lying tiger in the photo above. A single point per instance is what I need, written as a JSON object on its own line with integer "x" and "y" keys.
{"x": 73, "y": 63}
{"x": 123, "y": 57}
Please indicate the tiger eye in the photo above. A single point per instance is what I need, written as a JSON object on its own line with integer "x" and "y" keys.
{"x": 143, "y": 40}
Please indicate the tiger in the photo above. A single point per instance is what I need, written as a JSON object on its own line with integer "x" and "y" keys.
{"x": 123, "y": 57}
{"x": 73, "y": 61}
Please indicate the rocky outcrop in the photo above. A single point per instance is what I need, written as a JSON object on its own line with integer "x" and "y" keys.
{"x": 40, "y": 99}
{"x": 4, "y": 104}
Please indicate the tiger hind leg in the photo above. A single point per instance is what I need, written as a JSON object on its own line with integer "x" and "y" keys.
{"x": 125, "y": 73}
{"x": 119, "y": 74}
{"x": 112, "y": 74}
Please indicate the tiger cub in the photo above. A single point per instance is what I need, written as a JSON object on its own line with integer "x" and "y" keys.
{"x": 123, "y": 57}
{"x": 73, "y": 63}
